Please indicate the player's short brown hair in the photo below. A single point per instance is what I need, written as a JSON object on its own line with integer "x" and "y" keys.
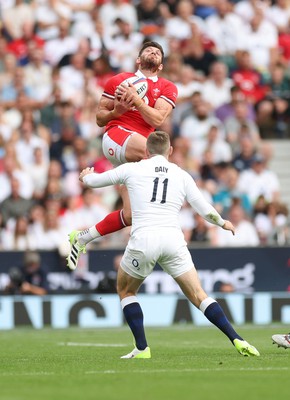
{"x": 151, "y": 44}
{"x": 158, "y": 142}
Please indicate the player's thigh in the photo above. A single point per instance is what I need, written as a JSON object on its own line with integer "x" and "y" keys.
{"x": 191, "y": 287}
{"x": 175, "y": 258}
{"x": 127, "y": 285}
{"x": 135, "y": 148}
{"x": 140, "y": 256}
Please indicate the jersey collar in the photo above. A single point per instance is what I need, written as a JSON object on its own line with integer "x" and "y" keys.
{"x": 140, "y": 75}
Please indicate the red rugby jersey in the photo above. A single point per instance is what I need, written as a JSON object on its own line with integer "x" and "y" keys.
{"x": 132, "y": 119}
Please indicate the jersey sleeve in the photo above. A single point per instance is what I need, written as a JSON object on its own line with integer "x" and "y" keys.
{"x": 112, "y": 83}
{"x": 169, "y": 92}
{"x": 108, "y": 178}
{"x": 199, "y": 203}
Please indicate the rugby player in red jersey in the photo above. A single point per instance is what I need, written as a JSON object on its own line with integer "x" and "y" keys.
{"x": 128, "y": 121}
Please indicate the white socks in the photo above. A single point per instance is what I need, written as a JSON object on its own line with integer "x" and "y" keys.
{"x": 205, "y": 303}
{"x": 128, "y": 300}
{"x": 87, "y": 235}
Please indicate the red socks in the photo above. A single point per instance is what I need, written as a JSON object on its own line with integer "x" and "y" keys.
{"x": 113, "y": 222}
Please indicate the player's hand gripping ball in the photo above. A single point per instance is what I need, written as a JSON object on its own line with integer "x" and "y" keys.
{"x": 140, "y": 84}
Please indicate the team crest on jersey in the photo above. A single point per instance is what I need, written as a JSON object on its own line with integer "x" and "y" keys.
{"x": 156, "y": 91}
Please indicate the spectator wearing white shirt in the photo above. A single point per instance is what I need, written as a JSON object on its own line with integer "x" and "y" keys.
{"x": 92, "y": 208}
{"x": 187, "y": 85}
{"x": 226, "y": 29}
{"x": 38, "y": 75}
{"x": 246, "y": 9}
{"x": 36, "y": 223}
{"x": 279, "y": 14}
{"x": 220, "y": 149}
{"x": 71, "y": 217}
{"x": 12, "y": 169}
{"x": 216, "y": 90}
{"x": 245, "y": 236}
{"x": 195, "y": 128}
{"x": 53, "y": 235}
{"x": 72, "y": 79}
{"x": 261, "y": 40}
{"x": 271, "y": 223}
{"x": 115, "y": 9}
{"x": 38, "y": 172}
{"x": 124, "y": 46}
{"x": 16, "y": 16}
{"x": 16, "y": 236}
{"x": 81, "y": 13}
{"x": 27, "y": 142}
{"x": 64, "y": 44}
{"x": 80, "y": 10}
{"x": 47, "y": 18}
{"x": 179, "y": 26}
{"x": 258, "y": 180}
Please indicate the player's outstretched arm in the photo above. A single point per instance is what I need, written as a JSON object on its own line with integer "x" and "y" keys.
{"x": 94, "y": 180}
{"x": 204, "y": 208}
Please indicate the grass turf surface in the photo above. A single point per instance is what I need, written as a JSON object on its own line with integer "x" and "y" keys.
{"x": 187, "y": 363}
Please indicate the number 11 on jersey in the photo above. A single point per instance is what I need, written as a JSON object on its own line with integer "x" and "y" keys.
{"x": 155, "y": 188}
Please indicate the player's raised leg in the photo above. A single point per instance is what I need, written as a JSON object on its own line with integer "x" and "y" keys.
{"x": 113, "y": 222}
{"x": 191, "y": 287}
{"x": 133, "y": 149}
{"x": 127, "y": 288}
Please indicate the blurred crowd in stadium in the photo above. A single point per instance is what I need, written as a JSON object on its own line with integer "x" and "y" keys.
{"x": 231, "y": 63}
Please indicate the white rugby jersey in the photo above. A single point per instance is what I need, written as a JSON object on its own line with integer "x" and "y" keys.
{"x": 157, "y": 190}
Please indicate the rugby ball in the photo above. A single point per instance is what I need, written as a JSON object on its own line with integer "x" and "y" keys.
{"x": 140, "y": 84}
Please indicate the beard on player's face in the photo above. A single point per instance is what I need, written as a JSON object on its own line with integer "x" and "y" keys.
{"x": 149, "y": 62}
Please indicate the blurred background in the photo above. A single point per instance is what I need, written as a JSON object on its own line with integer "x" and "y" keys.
{"x": 230, "y": 130}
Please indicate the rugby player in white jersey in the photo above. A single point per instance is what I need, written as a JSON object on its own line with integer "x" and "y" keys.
{"x": 157, "y": 190}
{"x": 128, "y": 120}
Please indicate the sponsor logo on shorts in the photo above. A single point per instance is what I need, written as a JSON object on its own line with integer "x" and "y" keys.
{"x": 111, "y": 151}
{"x": 135, "y": 263}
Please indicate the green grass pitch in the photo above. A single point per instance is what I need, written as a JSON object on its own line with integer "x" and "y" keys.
{"x": 187, "y": 363}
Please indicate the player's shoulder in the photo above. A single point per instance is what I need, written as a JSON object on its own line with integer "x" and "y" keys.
{"x": 166, "y": 82}
{"x": 182, "y": 173}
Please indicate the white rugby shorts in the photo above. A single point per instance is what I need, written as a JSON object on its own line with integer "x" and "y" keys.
{"x": 166, "y": 247}
{"x": 114, "y": 144}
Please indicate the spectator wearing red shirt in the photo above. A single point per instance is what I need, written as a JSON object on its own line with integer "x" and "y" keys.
{"x": 284, "y": 46}
{"x": 20, "y": 47}
{"x": 248, "y": 79}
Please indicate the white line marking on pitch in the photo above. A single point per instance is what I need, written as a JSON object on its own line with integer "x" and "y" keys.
{"x": 190, "y": 370}
{"x": 91, "y": 344}
{"x": 40, "y": 373}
